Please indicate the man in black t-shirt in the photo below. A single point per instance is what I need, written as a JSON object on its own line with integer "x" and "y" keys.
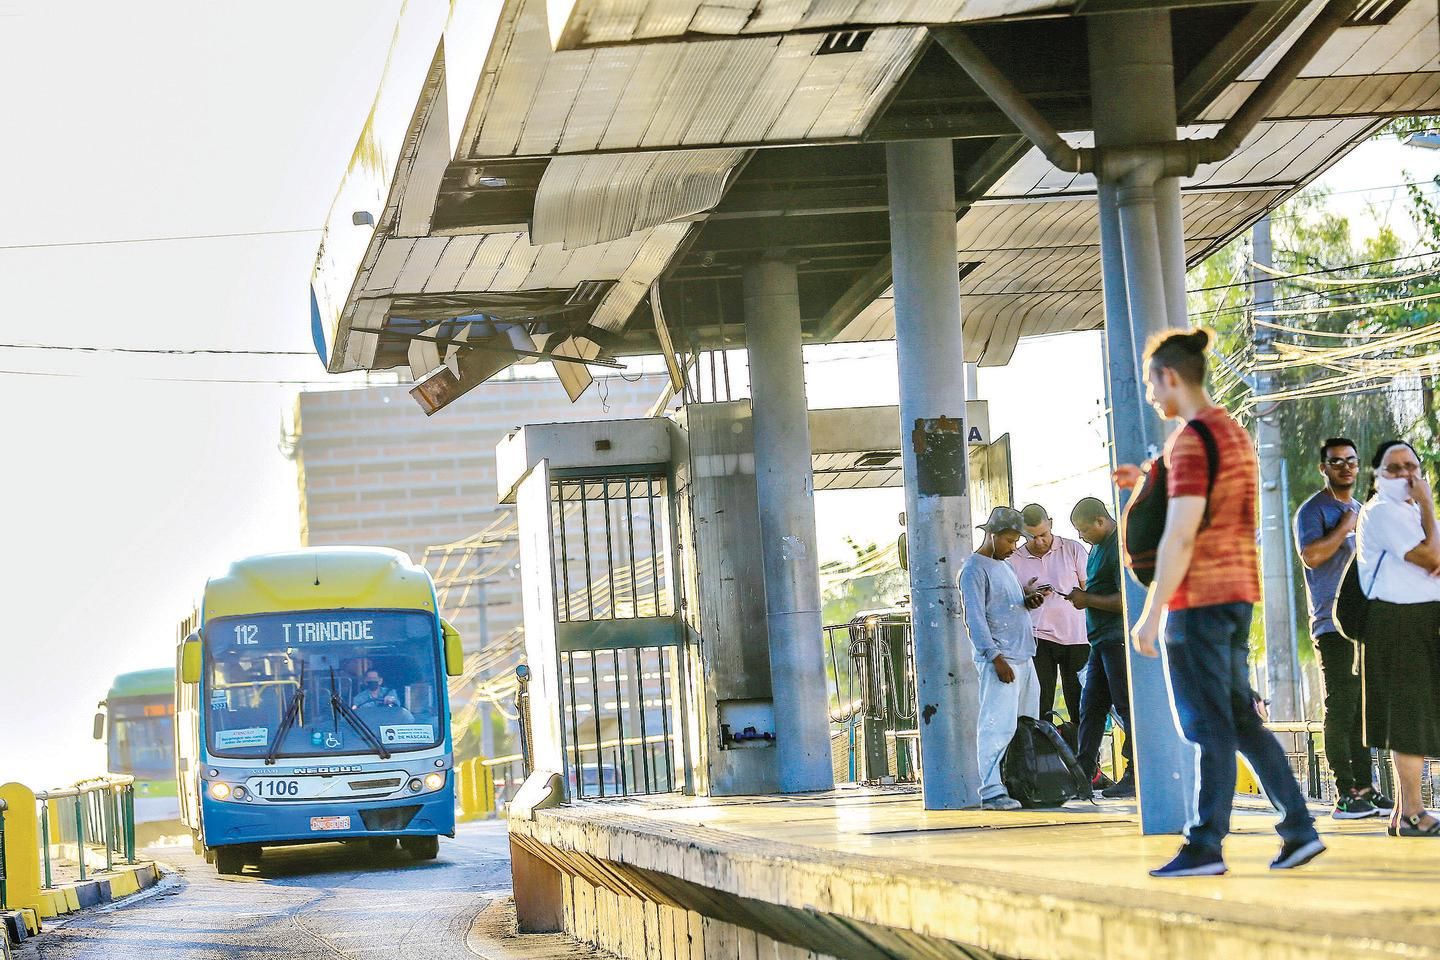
{"x": 1107, "y": 678}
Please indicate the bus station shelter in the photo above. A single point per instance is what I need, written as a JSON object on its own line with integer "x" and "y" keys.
{"x": 583, "y": 180}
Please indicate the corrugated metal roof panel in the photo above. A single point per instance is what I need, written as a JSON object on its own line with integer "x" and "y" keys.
{"x": 421, "y": 263}
{"x": 634, "y": 283}
{"x": 453, "y": 263}
{"x": 596, "y": 103}
{"x": 746, "y": 90}
{"x": 1331, "y": 96}
{"x": 493, "y": 252}
{"x": 393, "y": 254}
{"x": 587, "y": 200}
{"x": 591, "y": 22}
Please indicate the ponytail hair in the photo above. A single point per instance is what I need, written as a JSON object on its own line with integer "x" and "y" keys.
{"x": 1182, "y": 351}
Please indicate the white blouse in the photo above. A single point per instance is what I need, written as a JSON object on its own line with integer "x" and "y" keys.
{"x": 1387, "y": 531}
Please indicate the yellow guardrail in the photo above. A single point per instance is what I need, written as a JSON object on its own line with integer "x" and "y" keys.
{"x": 485, "y": 785}
{"x": 79, "y": 824}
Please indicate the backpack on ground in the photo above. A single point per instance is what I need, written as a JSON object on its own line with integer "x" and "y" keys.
{"x": 1142, "y": 523}
{"x": 1038, "y": 768}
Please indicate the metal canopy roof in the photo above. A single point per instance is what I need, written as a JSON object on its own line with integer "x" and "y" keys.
{"x": 578, "y": 177}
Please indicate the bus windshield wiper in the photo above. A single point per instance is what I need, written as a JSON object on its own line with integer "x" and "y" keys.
{"x": 348, "y": 712}
{"x": 344, "y": 709}
{"x": 292, "y": 710}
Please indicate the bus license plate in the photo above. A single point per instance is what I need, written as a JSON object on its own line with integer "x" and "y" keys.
{"x": 329, "y": 823}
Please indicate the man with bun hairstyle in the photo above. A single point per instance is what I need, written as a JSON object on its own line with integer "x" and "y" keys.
{"x": 1207, "y": 576}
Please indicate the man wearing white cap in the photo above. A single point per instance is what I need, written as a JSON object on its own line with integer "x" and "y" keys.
{"x": 996, "y": 614}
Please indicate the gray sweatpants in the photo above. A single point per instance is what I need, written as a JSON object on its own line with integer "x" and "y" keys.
{"x": 1001, "y": 707}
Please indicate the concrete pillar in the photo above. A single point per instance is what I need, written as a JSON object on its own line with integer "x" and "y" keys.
{"x": 785, "y": 493}
{"x": 1282, "y": 668}
{"x": 1141, "y": 244}
{"x": 932, "y": 431}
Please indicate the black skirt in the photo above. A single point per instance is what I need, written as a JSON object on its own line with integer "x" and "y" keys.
{"x": 1400, "y": 675}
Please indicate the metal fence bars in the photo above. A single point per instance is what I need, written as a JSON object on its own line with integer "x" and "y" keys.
{"x": 485, "y": 785}
{"x": 1304, "y": 745}
{"x": 617, "y": 635}
{"x": 3, "y": 808}
{"x": 94, "y": 817}
{"x": 872, "y": 680}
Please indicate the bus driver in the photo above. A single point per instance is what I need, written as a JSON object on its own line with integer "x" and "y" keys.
{"x": 375, "y": 693}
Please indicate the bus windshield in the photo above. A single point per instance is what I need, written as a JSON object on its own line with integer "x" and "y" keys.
{"x": 320, "y": 683}
{"x": 142, "y": 738}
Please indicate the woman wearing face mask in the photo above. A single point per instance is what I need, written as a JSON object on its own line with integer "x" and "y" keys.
{"x": 1398, "y": 553}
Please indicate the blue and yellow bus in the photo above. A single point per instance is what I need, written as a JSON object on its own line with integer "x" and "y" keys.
{"x": 136, "y": 722}
{"x": 312, "y": 706}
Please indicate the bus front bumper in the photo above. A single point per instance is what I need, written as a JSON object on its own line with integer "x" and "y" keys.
{"x": 229, "y": 823}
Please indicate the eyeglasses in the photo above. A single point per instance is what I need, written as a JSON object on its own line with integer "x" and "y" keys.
{"x": 1338, "y": 462}
{"x": 1400, "y": 469}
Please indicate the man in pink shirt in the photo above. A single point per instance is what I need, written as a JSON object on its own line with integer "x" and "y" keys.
{"x": 1061, "y": 644}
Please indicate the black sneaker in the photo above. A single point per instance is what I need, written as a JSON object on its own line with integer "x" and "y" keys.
{"x": 1378, "y": 800}
{"x": 1122, "y": 789}
{"x": 1353, "y": 806}
{"x": 1297, "y": 853}
{"x": 1193, "y": 861}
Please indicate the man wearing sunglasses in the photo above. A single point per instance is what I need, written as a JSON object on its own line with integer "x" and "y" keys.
{"x": 1325, "y": 537}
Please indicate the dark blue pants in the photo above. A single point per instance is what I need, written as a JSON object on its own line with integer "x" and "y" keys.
{"x": 1107, "y": 685}
{"x": 1208, "y": 650}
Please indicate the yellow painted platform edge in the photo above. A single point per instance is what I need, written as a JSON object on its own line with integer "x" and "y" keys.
{"x": 635, "y": 843}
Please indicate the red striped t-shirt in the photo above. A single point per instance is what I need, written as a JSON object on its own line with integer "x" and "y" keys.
{"x": 1225, "y": 567}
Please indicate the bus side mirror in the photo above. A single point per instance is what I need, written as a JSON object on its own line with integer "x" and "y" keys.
{"x": 454, "y": 653}
{"x": 100, "y": 726}
{"x": 190, "y": 660}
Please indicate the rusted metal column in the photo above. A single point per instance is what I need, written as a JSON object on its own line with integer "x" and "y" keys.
{"x": 785, "y": 495}
{"x": 1142, "y": 265}
{"x": 933, "y": 439}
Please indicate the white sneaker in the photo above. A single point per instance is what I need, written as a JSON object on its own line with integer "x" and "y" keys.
{"x": 1002, "y": 802}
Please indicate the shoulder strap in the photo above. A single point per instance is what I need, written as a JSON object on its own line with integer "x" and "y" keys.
{"x": 1212, "y": 452}
{"x": 1369, "y": 594}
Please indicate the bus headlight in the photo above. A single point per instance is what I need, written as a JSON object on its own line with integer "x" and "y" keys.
{"x": 416, "y": 785}
{"x": 238, "y": 793}
{"x": 434, "y": 781}
{"x": 220, "y": 791}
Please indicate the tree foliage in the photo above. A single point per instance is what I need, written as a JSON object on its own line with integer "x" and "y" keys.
{"x": 1306, "y": 238}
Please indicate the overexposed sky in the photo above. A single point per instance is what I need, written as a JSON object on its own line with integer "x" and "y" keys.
{"x": 118, "y": 495}
{"x": 123, "y": 485}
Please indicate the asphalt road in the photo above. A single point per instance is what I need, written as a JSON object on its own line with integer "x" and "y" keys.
{"x": 322, "y": 902}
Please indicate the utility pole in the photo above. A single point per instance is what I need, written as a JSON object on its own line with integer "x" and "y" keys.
{"x": 1281, "y": 666}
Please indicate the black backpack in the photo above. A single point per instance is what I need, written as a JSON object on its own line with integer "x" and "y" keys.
{"x": 1142, "y": 523}
{"x": 1038, "y": 768}
{"x": 1352, "y": 603}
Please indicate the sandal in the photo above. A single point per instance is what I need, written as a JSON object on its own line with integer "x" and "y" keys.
{"x": 1410, "y": 827}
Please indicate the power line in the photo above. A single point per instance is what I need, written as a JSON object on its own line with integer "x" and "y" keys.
{"x": 170, "y": 239}
{"x": 261, "y": 381}
{"x": 198, "y": 351}
{"x": 1316, "y": 273}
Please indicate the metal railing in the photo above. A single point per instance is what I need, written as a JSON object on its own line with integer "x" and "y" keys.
{"x": 1304, "y": 745}
{"x": 3, "y": 808}
{"x": 485, "y": 786}
{"x": 872, "y": 702}
{"x": 96, "y": 815}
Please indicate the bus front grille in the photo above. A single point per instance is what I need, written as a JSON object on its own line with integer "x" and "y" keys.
{"x": 389, "y": 818}
{"x": 388, "y": 784}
